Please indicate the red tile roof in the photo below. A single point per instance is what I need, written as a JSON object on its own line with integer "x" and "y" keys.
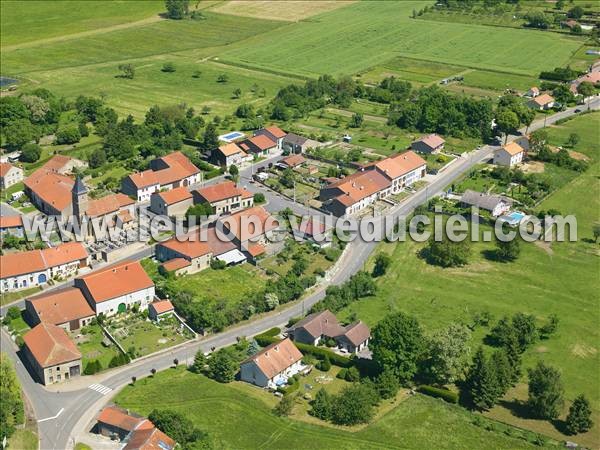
{"x": 119, "y": 418}
{"x": 53, "y": 188}
{"x": 178, "y": 167}
{"x": 293, "y": 160}
{"x": 432, "y": 140}
{"x": 256, "y": 249}
{"x": 262, "y": 142}
{"x": 11, "y": 221}
{"x": 360, "y": 185}
{"x": 189, "y": 248}
{"x": 276, "y": 131}
{"x": 108, "y": 204}
{"x": 38, "y": 260}
{"x": 276, "y": 357}
{"x": 61, "y": 306}
{"x": 543, "y": 99}
{"x": 230, "y": 149}
{"x": 250, "y": 223}
{"x": 4, "y": 168}
{"x": 402, "y": 163}
{"x": 319, "y": 324}
{"x": 175, "y": 195}
{"x": 149, "y": 439}
{"x": 513, "y": 148}
{"x": 116, "y": 280}
{"x": 50, "y": 345}
{"x": 221, "y": 191}
{"x": 162, "y": 306}
{"x": 176, "y": 264}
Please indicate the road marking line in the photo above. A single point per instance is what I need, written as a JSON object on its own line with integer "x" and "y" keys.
{"x": 53, "y": 417}
{"x": 101, "y": 389}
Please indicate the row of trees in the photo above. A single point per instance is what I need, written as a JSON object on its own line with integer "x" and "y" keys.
{"x": 12, "y": 412}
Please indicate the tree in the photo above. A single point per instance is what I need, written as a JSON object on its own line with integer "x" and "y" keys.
{"x": 447, "y": 253}
{"x": 354, "y": 405}
{"x": 586, "y": 89}
{"x": 447, "y": 353}
{"x": 234, "y": 172}
{"x": 579, "y": 419}
{"x": 198, "y": 211}
{"x": 245, "y": 111}
{"x": 572, "y": 140}
{"x": 18, "y": 133}
{"x": 237, "y": 93}
{"x": 537, "y": 20}
{"x": 11, "y": 412}
{"x": 30, "y": 152}
{"x": 168, "y": 67}
{"x": 222, "y": 78}
{"x": 356, "y": 121}
{"x": 199, "y": 362}
{"x": 128, "y": 71}
{"x": 507, "y": 122}
{"x": 526, "y": 331}
{"x": 37, "y": 106}
{"x": 210, "y": 139}
{"x": 382, "y": 262}
{"x": 223, "y": 366}
{"x": 502, "y": 371}
{"x": 387, "y": 384}
{"x": 325, "y": 364}
{"x": 271, "y": 300}
{"x": 69, "y": 135}
{"x": 153, "y": 371}
{"x": 513, "y": 354}
{"x": 576, "y": 13}
{"x": 397, "y": 345}
{"x": 322, "y": 405}
{"x": 285, "y": 406}
{"x": 508, "y": 250}
{"x": 259, "y": 198}
{"x": 527, "y": 116}
{"x": 177, "y": 9}
{"x": 481, "y": 382}
{"x": 97, "y": 158}
{"x": 177, "y": 426}
{"x": 545, "y": 391}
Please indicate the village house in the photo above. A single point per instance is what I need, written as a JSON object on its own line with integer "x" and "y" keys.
{"x": 591, "y": 77}
{"x": 532, "y": 92}
{"x": 495, "y": 204}
{"x": 259, "y": 145}
{"x": 9, "y": 175}
{"x": 165, "y": 173}
{"x": 249, "y": 229}
{"x": 160, "y": 309}
{"x": 66, "y": 308}
{"x": 224, "y": 197}
{"x": 52, "y": 356}
{"x": 292, "y": 161}
{"x": 510, "y": 155}
{"x": 273, "y": 365}
{"x": 432, "y": 143}
{"x": 230, "y": 155}
{"x": 541, "y": 102}
{"x": 116, "y": 288}
{"x": 12, "y": 225}
{"x": 293, "y": 143}
{"x": 376, "y": 180}
{"x": 35, "y": 267}
{"x": 274, "y": 133}
{"x": 171, "y": 203}
{"x": 137, "y": 432}
{"x": 323, "y": 325}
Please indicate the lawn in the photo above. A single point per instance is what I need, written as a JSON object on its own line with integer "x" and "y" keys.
{"x": 288, "y": 10}
{"x": 146, "y": 337}
{"x": 413, "y": 70}
{"x": 366, "y": 34}
{"x": 9, "y": 297}
{"x": 23, "y": 439}
{"x": 231, "y": 284}
{"x": 280, "y": 265}
{"x": 238, "y": 416}
{"x": 586, "y": 126}
{"x": 90, "y": 345}
{"x": 498, "y": 81}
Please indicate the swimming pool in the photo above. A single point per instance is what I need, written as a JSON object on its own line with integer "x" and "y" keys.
{"x": 514, "y": 218}
{"x": 229, "y": 137}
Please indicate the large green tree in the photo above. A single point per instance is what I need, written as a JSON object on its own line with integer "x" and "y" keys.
{"x": 448, "y": 253}
{"x": 545, "y": 391}
{"x": 448, "y": 350}
{"x": 579, "y": 419}
{"x": 11, "y": 410}
{"x": 481, "y": 382}
{"x": 398, "y": 345}
{"x": 177, "y": 9}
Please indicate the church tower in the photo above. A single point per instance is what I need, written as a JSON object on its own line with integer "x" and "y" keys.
{"x": 79, "y": 197}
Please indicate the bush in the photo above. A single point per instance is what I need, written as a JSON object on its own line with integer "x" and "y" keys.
{"x": 69, "y": 135}
{"x": 30, "y": 152}
{"x": 286, "y": 390}
{"x": 352, "y": 374}
{"x": 168, "y": 67}
{"x": 322, "y": 353}
{"x": 324, "y": 365}
{"x": 444, "y": 394}
{"x": 342, "y": 373}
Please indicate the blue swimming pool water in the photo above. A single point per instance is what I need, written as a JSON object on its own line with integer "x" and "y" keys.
{"x": 516, "y": 215}
{"x": 235, "y": 134}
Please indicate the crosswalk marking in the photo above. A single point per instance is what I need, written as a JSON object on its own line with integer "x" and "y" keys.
{"x": 100, "y": 388}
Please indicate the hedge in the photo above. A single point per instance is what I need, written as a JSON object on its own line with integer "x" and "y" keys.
{"x": 268, "y": 337}
{"x": 321, "y": 353}
{"x": 449, "y": 396}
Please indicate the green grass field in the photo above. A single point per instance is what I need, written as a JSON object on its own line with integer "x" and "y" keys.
{"x": 29, "y": 21}
{"x": 366, "y": 34}
{"x": 218, "y": 409}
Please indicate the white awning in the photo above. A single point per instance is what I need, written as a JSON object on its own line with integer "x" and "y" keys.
{"x": 232, "y": 257}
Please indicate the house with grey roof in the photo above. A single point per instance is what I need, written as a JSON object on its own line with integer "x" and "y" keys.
{"x": 495, "y": 204}
{"x": 294, "y": 143}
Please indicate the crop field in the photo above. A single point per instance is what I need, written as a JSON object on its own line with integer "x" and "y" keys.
{"x": 413, "y": 70}
{"x": 219, "y": 408}
{"x": 25, "y": 22}
{"x": 498, "y": 81}
{"x": 287, "y": 10}
{"x": 366, "y": 34}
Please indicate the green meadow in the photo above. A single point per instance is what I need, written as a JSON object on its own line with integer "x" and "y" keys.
{"x": 416, "y": 423}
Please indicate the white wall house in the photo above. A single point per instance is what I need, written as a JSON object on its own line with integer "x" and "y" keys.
{"x": 273, "y": 365}
{"x": 509, "y": 155}
{"x": 9, "y": 175}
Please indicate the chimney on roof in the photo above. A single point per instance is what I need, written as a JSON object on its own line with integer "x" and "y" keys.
{"x": 277, "y": 348}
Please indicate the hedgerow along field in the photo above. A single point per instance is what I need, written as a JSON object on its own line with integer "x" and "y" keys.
{"x": 562, "y": 280}
{"x": 416, "y": 423}
{"x": 365, "y": 34}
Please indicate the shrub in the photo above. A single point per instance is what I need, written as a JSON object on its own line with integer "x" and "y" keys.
{"x": 324, "y": 365}
{"x": 352, "y": 374}
{"x": 69, "y": 135}
{"x": 322, "y": 353}
{"x": 444, "y": 394}
{"x": 168, "y": 67}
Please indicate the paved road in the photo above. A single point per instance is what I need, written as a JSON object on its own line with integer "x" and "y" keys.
{"x": 77, "y": 408}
